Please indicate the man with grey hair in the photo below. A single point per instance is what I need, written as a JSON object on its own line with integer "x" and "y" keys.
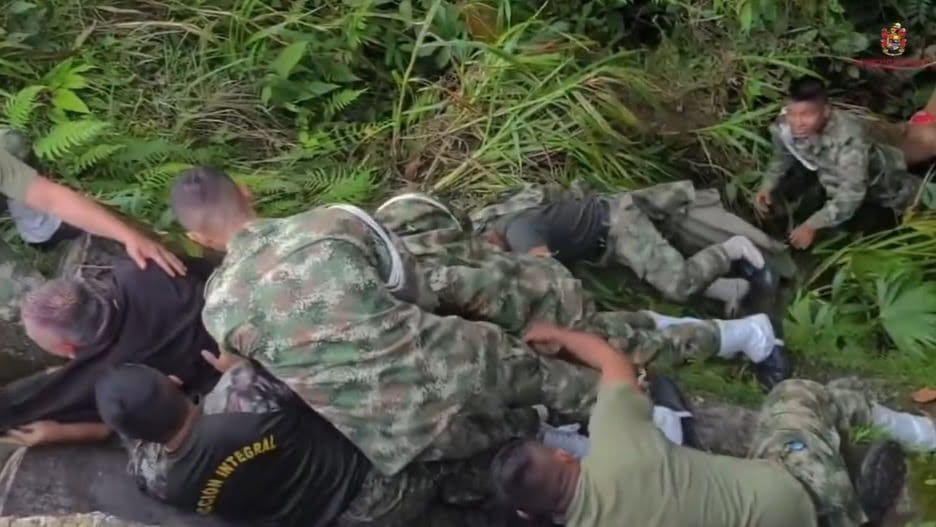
{"x": 147, "y": 317}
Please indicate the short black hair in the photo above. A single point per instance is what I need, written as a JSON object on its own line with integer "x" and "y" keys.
{"x": 808, "y": 89}
{"x": 524, "y": 478}
{"x": 204, "y": 197}
{"x": 139, "y": 402}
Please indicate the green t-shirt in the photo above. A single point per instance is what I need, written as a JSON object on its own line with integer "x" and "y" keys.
{"x": 634, "y": 476}
{"x": 15, "y": 176}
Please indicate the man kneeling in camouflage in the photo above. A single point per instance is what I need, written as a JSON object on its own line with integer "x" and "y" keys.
{"x": 632, "y": 477}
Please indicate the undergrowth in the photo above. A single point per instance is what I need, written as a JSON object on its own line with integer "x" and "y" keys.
{"x": 316, "y": 102}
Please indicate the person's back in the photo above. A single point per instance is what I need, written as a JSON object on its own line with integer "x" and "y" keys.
{"x": 633, "y": 476}
{"x": 254, "y": 453}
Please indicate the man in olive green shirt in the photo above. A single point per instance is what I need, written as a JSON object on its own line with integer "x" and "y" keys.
{"x": 20, "y": 182}
{"x": 632, "y": 476}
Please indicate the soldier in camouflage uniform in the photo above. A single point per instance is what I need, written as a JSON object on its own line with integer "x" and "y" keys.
{"x": 478, "y": 281}
{"x": 836, "y": 145}
{"x": 334, "y": 304}
{"x": 798, "y": 431}
{"x": 663, "y": 233}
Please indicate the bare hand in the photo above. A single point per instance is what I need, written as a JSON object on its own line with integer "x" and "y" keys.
{"x": 224, "y": 361}
{"x": 762, "y": 202}
{"x": 802, "y": 237}
{"x": 541, "y": 251}
{"x": 142, "y": 248}
{"x": 37, "y": 433}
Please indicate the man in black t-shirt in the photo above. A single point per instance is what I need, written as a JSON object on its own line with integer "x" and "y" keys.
{"x": 252, "y": 451}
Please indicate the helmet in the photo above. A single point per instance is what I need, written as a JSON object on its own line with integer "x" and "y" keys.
{"x": 15, "y": 142}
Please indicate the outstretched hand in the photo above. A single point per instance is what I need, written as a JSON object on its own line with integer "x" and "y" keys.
{"x": 224, "y": 361}
{"x": 141, "y": 248}
{"x": 34, "y": 434}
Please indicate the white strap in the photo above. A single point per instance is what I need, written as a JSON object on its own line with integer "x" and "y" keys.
{"x": 8, "y": 475}
{"x": 396, "y": 278}
{"x": 418, "y": 196}
{"x": 786, "y": 136}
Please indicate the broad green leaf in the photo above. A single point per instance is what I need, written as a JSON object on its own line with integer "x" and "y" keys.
{"x": 746, "y": 16}
{"x": 406, "y": 10}
{"x": 289, "y": 58}
{"x": 317, "y": 89}
{"x": 19, "y": 7}
{"x": 67, "y": 100}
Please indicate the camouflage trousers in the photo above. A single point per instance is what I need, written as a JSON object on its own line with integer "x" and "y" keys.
{"x": 477, "y": 281}
{"x": 800, "y": 427}
{"x": 635, "y": 242}
{"x": 894, "y": 190}
{"x": 424, "y": 494}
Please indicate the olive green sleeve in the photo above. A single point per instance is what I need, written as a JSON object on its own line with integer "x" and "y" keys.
{"x": 15, "y": 176}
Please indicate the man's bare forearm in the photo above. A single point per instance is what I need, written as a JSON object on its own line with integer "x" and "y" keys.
{"x": 597, "y": 353}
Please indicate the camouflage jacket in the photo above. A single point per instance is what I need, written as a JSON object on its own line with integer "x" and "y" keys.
{"x": 303, "y": 295}
{"x": 243, "y": 388}
{"x": 847, "y": 161}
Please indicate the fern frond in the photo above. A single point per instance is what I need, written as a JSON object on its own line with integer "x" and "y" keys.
{"x": 157, "y": 179}
{"x": 21, "y": 105}
{"x": 340, "y": 184}
{"x": 339, "y": 101}
{"x": 144, "y": 152}
{"x": 66, "y": 137}
{"x": 93, "y": 157}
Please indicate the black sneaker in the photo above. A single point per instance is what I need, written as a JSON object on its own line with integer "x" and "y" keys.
{"x": 773, "y": 370}
{"x": 763, "y": 297}
{"x": 882, "y": 478}
{"x": 664, "y": 392}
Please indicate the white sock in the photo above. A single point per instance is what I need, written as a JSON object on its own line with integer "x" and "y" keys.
{"x": 916, "y": 432}
{"x": 741, "y": 248}
{"x": 669, "y": 422}
{"x": 664, "y": 321}
{"x": 753, "y": 336}
{"x": 730, "y": 291}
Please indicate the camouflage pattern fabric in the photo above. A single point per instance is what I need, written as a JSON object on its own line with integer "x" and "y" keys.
{"x": 635, "y": 242}
{"x": 800, "y": 427}
{"x": 73, "y": 520}
{"x": 851, "y": 168}
{"x": 304, "y": 296}
{"x": 420, "y": 495}
{"x": 478, "y": 281}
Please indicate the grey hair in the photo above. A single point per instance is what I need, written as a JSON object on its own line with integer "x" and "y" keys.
{"x": 205, "y": 199}
{"x": 68, "y": 308}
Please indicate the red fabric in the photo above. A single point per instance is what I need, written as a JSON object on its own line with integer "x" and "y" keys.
{"x": 922, "y": 117}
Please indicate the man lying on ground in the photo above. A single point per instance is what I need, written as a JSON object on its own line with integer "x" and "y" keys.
{"x": 798, "y": 477}
{"x": 253, "y": 452}
{"x": 149, "y": 317}
{"x": 638, "y": 230}
{"x": 476, "y": 281}
{"x": 313, "y": 297}
{"x": 851, "y": 167}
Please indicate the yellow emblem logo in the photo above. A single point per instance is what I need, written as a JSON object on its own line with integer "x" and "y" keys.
{"x": 894, "y": 40}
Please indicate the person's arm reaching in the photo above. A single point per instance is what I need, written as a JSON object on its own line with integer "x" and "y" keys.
{"x": 594, "y": 351}
{"x": 51, "y": 432}
{"x": 75, "y": 209}
{"x": 780, "y": 163}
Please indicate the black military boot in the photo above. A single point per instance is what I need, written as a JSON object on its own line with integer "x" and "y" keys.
{"x": 881, "y": 479}
{"x": 664, "y": 392}
{"x": 773, "y": 370}
{"x": 764, "y": 295}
